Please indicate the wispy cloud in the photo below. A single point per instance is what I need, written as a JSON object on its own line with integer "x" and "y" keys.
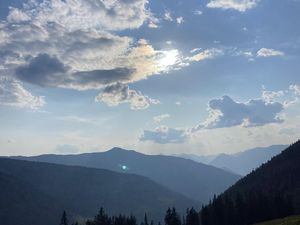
{"x": 164, "y": 135}
{"x": 206, "y": 54}
{"x": 158, "y": 119}
{"x": 12, "y": 93}
{"x": 268, "y": 52}
{"x": 239, "y": 5}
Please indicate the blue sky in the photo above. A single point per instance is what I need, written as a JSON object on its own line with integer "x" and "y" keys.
{"x": 195, "y": 76}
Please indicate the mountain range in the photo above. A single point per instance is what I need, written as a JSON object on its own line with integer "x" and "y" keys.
{"x": 33, "y": 193}
{"x": 240, "y": 163}
{"x": 192, "y": 179}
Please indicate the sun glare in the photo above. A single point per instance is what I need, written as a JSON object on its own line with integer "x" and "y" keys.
{"x": 168, "y": 59}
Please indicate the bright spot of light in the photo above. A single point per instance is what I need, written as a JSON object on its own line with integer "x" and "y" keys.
{"x": 168, "y": 59}
{"x": 124, "y": 167}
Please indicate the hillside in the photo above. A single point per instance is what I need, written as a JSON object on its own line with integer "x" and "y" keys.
{"x": 291, "y": 220}
{"x": 22, "y": 203}
{"x": 244, "y": 162}
{"x": 81, "y": 191}
{"x": 272, "y": 191}
{"x": 194, "y": 180}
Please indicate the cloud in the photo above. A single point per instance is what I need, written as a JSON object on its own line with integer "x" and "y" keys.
{"x": 168, "y": 16}
{"x": 76, "y": 44}
{"x": 268, "y": 52}
{"x": 239, "y": 5}
{"x": 295, "y": 88}
{"x": 158, "y": 119}
{"x": 198, "y": 12}
{"x": 43, "y": 70}
{"x": 12, "y": 93}
{"x": 117, "y": 94}
{"x": 225, "y": 112}
{"x": 164, "y": 135}
{"x": 269, "y": 96}
{"x": 86, "y": 14}
{"x": 179, "y": 20}
{"x": 206, "y": 54}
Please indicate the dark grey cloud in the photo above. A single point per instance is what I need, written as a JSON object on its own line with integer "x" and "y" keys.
{"x": 49, "y": 71}
{"x": 225, "y": 112}
{"x": 164, "y": 135}
{"x": 98, "y": 78}
{"x": 44, "y": 70}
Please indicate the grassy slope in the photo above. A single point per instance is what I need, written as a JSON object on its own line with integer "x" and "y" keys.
{"x": 292, "y": 220}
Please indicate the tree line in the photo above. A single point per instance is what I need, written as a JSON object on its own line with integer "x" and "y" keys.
{"x": 246, "y": 209}
{"x": 172, "y": 217}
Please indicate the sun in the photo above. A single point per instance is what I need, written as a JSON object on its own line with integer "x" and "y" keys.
{"x": 168, "y": 59}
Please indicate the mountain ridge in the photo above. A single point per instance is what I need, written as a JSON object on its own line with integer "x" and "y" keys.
{"x": 192, "y": 179}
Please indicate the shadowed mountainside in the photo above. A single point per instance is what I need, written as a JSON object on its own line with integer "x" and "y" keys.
{"x": 194, "y": 180}
{"x": 34, "y": 189}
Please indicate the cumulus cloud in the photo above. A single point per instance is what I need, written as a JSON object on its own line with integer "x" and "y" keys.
{"x": 268, "y": 52}
{"x": 159, "y": 118}
{"x": 86, "y": 14}
{"x": 239, "y": 5}
{"x": 119, "y": 93}
{"x": 269, "y": 96}
{"x": 164, "y": 135}
{"x": 225, "y": 112}
{"x": 12, "y": 93}
{"x": 72, "y": 44}
{"x": 77, "y": 44}
{"x": 206, "y": 54}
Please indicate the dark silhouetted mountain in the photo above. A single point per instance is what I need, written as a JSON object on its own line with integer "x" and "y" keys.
{"x": 271, "y": 191}
{"x": 22, "y": 203}
{"x": 244, "y": 162}
{"x": 38, "y": 188}
{"x": 194, "y": 180}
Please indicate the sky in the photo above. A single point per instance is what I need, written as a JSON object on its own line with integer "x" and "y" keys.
{"x": 157, "y": 76}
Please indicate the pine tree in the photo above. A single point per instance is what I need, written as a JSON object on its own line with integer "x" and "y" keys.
{"x": 64, "y": 219}
{"x": 192, "y": 217}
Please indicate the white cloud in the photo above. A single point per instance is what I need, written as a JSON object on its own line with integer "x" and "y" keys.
{"x": 164, "y": 135}
{"x": 179, "y": 20}
{"x": 239, "y": 5}
{"x": 206, "y": 54}
{"x": 295, "y": 88}
{"x": 117, "y": 94}
{"x": 158, "y": 119}
{"x": 12, "y": 93}
{"x": 168, "y": 16}
{"x": 83, "y": 14}
{"x": 268, "y": 52}
{"x": 269, "y": 96}
{"x": 198, "y": 12}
